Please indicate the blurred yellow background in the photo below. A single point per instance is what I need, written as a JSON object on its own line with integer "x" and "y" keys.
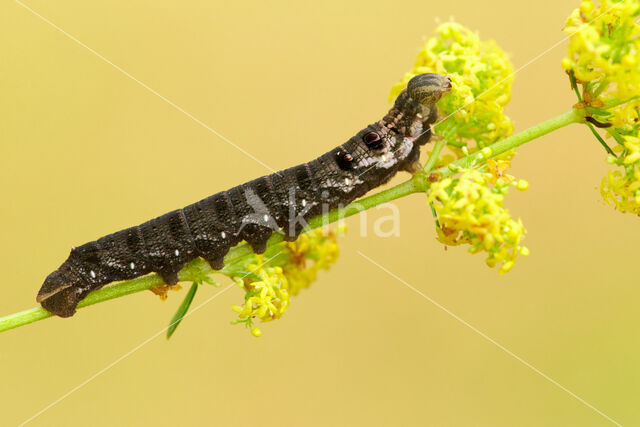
{"x": 85, "y": 150}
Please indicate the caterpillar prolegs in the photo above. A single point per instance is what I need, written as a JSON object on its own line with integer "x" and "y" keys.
{"x": 254, "y": 210}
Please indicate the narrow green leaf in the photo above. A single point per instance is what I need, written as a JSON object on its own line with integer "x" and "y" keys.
{"x": 601, "y": 88}
{"x": 209, "y": 280}
{"x": 600, "y": 140}
{"x": 614, "y": 133}
{"x": 615, "y": 102}
{"x": 182, "y": 310}
{"x": 574, "y": 85}
{"x": 598, "y": 112}
{"x": 435, "y": 215}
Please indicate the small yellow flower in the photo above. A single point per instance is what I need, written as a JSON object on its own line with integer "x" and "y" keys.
{"x": 522, "y": 185}
{"x": 498, "y": 170}
{"x": 470, "y": 211}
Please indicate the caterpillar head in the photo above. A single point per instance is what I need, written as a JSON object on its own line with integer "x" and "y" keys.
{"x": 428, "y": 88}
{"x": 408, "y": 124}
{"x": 415, "y": 108}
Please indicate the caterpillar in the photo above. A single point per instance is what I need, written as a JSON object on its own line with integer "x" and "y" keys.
{"x": 282, "y": 201}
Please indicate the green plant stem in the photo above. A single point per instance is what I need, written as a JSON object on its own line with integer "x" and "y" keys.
{"x": 435, "y": 153}
{"x": 431, "y": 163}
{"x": 500, "y": 147}
{"x": 418, "y": 183}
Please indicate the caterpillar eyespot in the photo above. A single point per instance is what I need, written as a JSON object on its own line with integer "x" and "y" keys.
{"x": 280, "y": 202}
{"x": 373, "y": 140}
{"x": 345, "y": 160}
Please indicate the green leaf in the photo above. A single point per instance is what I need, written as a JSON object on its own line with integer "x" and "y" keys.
{"x": 598, "y": 112}
{"x": 600, "y": 140}
{"x": 615, "y": 102}
{"x": 182, "y": 310}
{"x": 574, "y": 85}
{"x": 210, "y": 281}
{"x": 435, "y": 215}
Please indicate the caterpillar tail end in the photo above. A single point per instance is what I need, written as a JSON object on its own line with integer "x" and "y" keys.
{"x": 58, "y": 295}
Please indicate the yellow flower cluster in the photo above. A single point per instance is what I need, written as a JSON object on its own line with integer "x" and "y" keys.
{"x": 604, "y": 45}
{"x": 604, "y": 57}
{"x": 267, "y": 298}
{"x": 269, "y": 286}
{"x": 481, "y": 76}
{"x": 312, "y": 252}
{"x": 470, "y": 211}
{"x": 621, "y": 189}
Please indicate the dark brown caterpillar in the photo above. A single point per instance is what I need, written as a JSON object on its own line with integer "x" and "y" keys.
{"x": 253, "y": 211}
